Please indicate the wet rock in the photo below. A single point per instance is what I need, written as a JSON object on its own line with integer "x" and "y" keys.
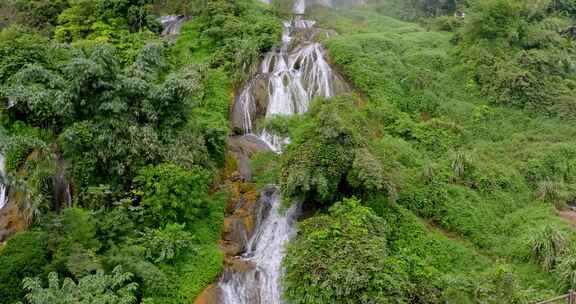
{"x": 242, "y": 147}
{"x": 61, "y": 187}
{"x": 210, "y": 295}
{"x": 250, "y": 105}
{"x": 235, "y": 264}
{"x": 239, "y": 224}
{"x": 235, "y": 235}
{"x": 11, "y": 220}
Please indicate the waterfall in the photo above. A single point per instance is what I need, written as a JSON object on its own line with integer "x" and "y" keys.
{"x": 300, "y": 7}
{"x": 265, "y": 251}
{"x": 171, "y": 25}
{"x": 3, "y": 187}
{"x": 296, "y": 74}
{"x": 289, "y": 77}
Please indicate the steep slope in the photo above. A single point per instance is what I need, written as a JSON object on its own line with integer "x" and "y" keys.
{"x": 474, "y": 169}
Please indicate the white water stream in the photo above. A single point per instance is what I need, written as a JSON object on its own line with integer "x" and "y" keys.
{"x": 265, "y": 251}
{"x": 3, "y": 187}
{"x": 296, "y": 73}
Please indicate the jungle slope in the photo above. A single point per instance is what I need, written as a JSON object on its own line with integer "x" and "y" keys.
{"x": 136, "y": 126}
{"x": 468, "y": 211}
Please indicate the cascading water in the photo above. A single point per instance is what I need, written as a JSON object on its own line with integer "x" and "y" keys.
{"x": 294, "y": 73}
{"x": 265, "y": 251}
{"x": 171, "y": 25}
{"x": 3, "y": 187}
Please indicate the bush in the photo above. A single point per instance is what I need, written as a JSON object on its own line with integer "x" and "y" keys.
{"x": 548, "y": 246}
{"x": 171, "y": 194}
{"x": 166, "y": 244}
{"x": 94, "y": 288}
{"x": 25, "y": 255}
{"x": 315, "y": 165}
{"x": 515, "y": 56}
{"x": 566, "y": 271}
{"x": 343, "y": 257}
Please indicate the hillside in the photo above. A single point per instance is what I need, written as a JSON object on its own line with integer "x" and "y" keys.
{"x": 378, "y": 151}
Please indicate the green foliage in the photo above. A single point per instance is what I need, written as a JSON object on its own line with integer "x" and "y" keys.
{"x": 113, "y": 145}
{"x": 152, "y": 280}
{"x": 328, "y": 158}
{"x": 548, "y": 245}
{"x": 19, "y": 47}
{"x": 497, "y": 286}
{"x": 474, "y": 171}
{"x": 513, "y": 52}
{"x": 75, "y": 243}
{"x": 343, "y": 258}
{"x": 266, "y": 168}
{"x": 18, "y": 150}
{"x": 94, "y": 288}
{"x": 41, "y": 14}
{"x": 566, "y": 271}
{"x": 319, "y": 158}
{"x": 141, "y": 127}
{"x": 23, "y": 256}
{"x": 231, "y": 34}
{"x": 415, "y": 9}
{"x": 164, "y": 245}
{"x": 171, "y": 194}
{"x": 104, "y": 20}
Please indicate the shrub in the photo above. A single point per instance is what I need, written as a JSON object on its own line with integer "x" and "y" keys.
{"x": 566, "y": 271}
{"x": 171, "y": 194}
{"x": 548, "y": 246}
{"x": 165, "y": 245}
{"x": 25, "y": 255}
{"x": 343, "y": 257}
{"x": 95, "y": 288}
{"x": 316, "y": 164}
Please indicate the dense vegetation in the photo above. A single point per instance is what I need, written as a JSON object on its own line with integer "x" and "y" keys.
{"x": 134, "y": 128}
{"x": 462, "y": 148}
{"x": 440, "y": 179}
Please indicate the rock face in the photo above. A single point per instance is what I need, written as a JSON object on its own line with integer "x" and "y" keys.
{"x": 210, "y": 295}
{"x": 242, "y": 147}
{"x": 14, "y": 215}
{"x": 242, "y": 118}
{"x": 244, "y": 213}
{"x": 11, "y": 220}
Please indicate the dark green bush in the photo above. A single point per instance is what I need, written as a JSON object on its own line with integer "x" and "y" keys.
{"x": 25, "y": 255}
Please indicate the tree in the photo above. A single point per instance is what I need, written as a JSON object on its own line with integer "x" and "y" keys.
{"x": 166, "y": 244}
{"x": 104, "y": 20}
{"x": 171, "y": 194}
{"x": 24, "y": 255}
{"x": 19, "y": 47}
{"x": 343, "y": 257}
{"x": 98, "y": 288}
{"x": 316, "y": 164}
{"x": 328, "y": 158}
{"x": 114, "y": 121}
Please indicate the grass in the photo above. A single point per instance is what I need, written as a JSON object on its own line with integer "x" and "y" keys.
{"x": 421, "y": 114}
